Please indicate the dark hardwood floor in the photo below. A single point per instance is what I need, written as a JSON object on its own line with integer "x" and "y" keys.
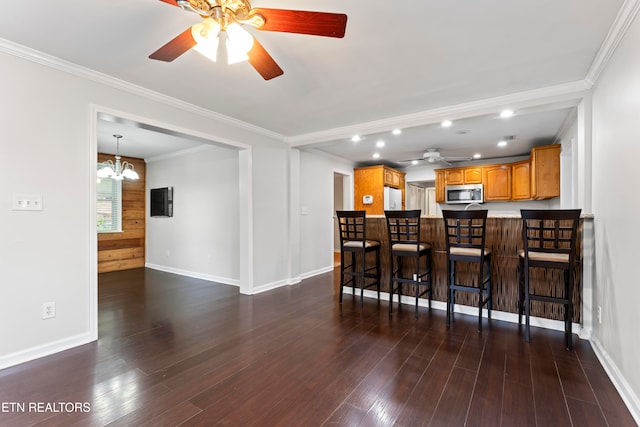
{"x": 175, "y": 350}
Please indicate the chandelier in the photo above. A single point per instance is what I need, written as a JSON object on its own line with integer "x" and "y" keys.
{"x": 119, "y": 169}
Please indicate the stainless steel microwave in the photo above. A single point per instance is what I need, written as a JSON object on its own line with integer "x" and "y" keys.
{"x": 464, "y": 193}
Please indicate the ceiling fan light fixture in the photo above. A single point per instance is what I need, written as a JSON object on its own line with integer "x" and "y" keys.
{"x": 206, "y": 36}
{"x": 239, "y": 42}
{"x": 236, "y": 42}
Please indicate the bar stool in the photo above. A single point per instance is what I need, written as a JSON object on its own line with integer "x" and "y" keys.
{"x": 549, "y": 238}
{"x": 465, "y": 241}
{"x": 353, "y": 240}
{"x": 404, "y": 242}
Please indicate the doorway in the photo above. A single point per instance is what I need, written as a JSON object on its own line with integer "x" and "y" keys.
{"x": 241, "y": 157}
{"x": 342, "y": 200}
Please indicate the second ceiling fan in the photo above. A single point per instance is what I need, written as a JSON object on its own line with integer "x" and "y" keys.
{"x": 220, "y": 32}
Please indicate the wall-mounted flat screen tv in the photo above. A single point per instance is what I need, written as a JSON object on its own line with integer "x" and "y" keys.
{"x": 162, "y": 201}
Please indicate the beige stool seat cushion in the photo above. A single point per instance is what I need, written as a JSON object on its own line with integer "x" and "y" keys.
{"x": 360, "y": 244}
{"x": 469, "y": 251}
{"x": 546, "y": 256}
{"x": 406, "y": 247}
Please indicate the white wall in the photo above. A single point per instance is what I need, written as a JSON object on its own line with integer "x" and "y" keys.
{"x": 46, "y": 118}
{"x": 316, "y": 211}
{"x": 616, "y": 153}
{"x": 201, "y": 239}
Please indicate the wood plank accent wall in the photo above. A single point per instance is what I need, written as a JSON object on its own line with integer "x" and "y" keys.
{"x": 124, "y": 251}
{"x": 504, "y": 238}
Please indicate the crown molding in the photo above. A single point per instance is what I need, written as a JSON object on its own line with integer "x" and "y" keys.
{"x": 68, "y": 67}
{"x": 621, "y": 24}
{"x": 180, "y": 153}
{"x": 519, "y": 100}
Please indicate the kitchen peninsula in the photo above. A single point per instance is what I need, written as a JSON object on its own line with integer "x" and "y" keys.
{"x": 504, "y": 238}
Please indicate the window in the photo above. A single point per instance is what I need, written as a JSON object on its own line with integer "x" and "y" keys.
{"x": 109, "y": 205}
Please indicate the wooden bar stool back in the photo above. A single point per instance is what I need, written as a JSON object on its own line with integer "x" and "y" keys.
{"x": 403, "y": 229}
{"x": 549, "y": 238}
{"x": 465, "y": 235}
{"x": 353, "y": 240}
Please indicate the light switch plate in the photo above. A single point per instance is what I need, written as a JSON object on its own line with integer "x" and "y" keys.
{"x": 27, "y": 202}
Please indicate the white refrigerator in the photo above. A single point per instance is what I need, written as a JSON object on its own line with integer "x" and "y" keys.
{"x": 392, "y": 199}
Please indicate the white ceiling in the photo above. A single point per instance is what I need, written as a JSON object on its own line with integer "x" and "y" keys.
{"x": 397, "y": 59}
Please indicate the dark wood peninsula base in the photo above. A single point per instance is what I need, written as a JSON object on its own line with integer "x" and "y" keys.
{"x": 504, "y": 238}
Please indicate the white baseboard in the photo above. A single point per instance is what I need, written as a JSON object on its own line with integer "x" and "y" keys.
{"x": 556, "y": 325}
{"x": 620, "y": 383}
{"x": 195, "y": 275}
{"x": 43, "y": 350}
{"x": 316, "y": 272}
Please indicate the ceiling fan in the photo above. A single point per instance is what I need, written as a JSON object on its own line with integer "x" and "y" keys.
{"x": 220, "y": 35}
{"x": 433, "y": 156}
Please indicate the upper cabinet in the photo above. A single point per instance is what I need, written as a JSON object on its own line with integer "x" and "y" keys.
{"x": 460, "y": 176}
{"x": 370, "y": 182}
{"x": 537, "y": 178}
{"x": 545, "y": 172}
{"x": 521, "y": 180}
{"x": 497, "y": 183}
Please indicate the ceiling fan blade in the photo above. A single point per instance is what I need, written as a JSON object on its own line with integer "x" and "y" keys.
{"x": 263, "y": 62}
{"x": 303, "y": 22}
{"x": 175, "y": 47}
{"x": 457, "y": 159}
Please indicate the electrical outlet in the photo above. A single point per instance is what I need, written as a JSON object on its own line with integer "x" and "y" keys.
{"x": 599, "y": 314}
{"x": 48, "y": 310}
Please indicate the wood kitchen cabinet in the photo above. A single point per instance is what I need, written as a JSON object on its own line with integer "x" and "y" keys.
{"x": 545, "y": 172}
{"x": 370, "y": 181}
{"x": 440, "y": 184}
{"x": 536, "y": 178}
{"x": 521, "y": 180}
{"x": 497, "y": 183}
{"x": 473, "y": 175}
{"x": 460, "y": 176}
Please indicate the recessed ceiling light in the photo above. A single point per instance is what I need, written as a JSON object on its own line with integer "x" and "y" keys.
{"x": 396, "y": 131}
{"x": 463, "y": 131}
{"x": 446, "y": 123}
{"x": 414, "y": 162}
{"x": 506, "y": 114}
{"x": 376, "y": 155}
{"x": 477, "y": 156}
{"x": 355, "y": 138}
{"x": 502, "y": 143}
{"x": 380, "y": 144}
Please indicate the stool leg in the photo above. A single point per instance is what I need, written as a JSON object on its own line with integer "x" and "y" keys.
{"x": 391, "y": 286}
{"x": 378, "y": 275}
{"x": 569, "y": 309}
{"x": 450, "y": 292}
{"x": 527, "y": 302}
{"x": 520, "y": 289}
{"x": 429, "y": 283}
{"x": 341, "y": 273}
{"x": 353, "y": 277}
{"x": 362, "y": 278}
{"x": 489, "y": 292}
{"x": 400, "y": 267}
